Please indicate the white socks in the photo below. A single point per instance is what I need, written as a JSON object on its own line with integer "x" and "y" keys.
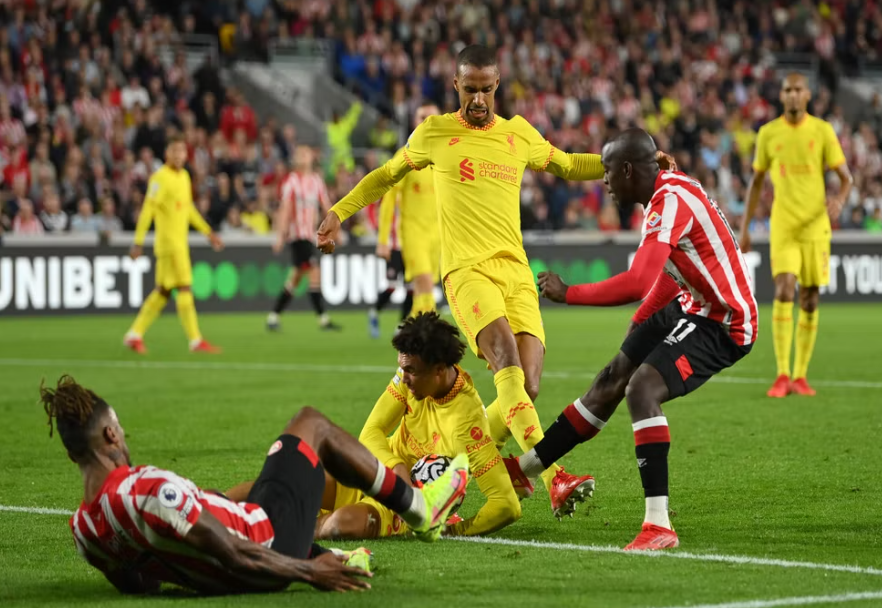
{"x": 657, "y": 511}
{"x": 531, "y": 466}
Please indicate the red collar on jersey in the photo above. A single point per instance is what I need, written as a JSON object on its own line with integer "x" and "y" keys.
{"x": 458, "y": 385}
{"x": 468, "y": 125}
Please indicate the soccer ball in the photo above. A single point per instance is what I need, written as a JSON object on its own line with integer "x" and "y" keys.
{"x": 428, "y": 469}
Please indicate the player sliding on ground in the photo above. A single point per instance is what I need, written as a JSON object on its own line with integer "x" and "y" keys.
{"x": 699, "y": 318}
{"x": 478, "y": 160}
{"x": 794, "y": 150}
{"x": 168, "y": 204}
{"x": 434, "y": 408}
{"x": 142, "y": 526}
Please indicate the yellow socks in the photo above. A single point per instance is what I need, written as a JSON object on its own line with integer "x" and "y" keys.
{"x": 187, "y": 314}
{"x": 424, "y": 302}
{"x": 150, "y": 309}
{"x": 498, "y": 430}
{"x": 782, "y": 335}
{"x": 518, "y": 413}
{"x": 806, "y": 332}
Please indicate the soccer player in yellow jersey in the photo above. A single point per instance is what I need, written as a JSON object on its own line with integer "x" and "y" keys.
{"x": 433, "y": 408}
{"x": 168, "y": 205}
{"x": 418, "y": 230}
{"x": 795, "y": 149}
{"x": 478, "y": 160}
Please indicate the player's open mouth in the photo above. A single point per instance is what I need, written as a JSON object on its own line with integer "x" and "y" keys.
{"x": 478, "y": 112}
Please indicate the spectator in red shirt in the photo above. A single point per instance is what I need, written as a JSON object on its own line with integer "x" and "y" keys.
{"x": 238, "y": 115}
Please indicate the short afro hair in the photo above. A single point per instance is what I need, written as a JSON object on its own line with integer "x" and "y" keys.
{"x": 431, "y": 338}
{"x": 476, "y": 56}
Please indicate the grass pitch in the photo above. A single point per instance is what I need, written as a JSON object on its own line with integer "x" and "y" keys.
{"x": 795, "y": 480}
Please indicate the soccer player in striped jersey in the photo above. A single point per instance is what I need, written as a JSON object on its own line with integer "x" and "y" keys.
{"x": 304, "y": 195}
{"x": 143, "y": 526}
{"x": 699, "y": 318}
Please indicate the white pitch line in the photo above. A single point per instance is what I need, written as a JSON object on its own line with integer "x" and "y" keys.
{"x": 704, "y": 557}
{"x": 354, "y": 369}
{"x": 794, "y": 601}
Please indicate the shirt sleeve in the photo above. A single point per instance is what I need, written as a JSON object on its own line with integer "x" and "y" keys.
{"x": 833, "y": 155}
{"x": 412, "y": 157}
{"x": 148, "y": 209}
{"x": 168, "y": 505}
{"x": 761, "y": 160}
{"x": 385, "y": 418}
{"x": 485, "y": 462}
{"x": 387, "y": 215}
{"x": 545, "y": 157}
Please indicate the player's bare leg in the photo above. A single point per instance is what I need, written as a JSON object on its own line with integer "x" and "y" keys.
{"x": 315, "y": 296}
{"x": 580, "y": 421}
{"x": 352, "y": 464}
{"x": 806, "y": 334}
{"x": 423, "y": 294}
{"x": 150, "y": 310}
{"x": 645, "y": 393}
{"x": 352, "y": 522}
{"x": 782, "y": 331}
{"x": 186, "y": 306}
{"x": 295, "y": 275}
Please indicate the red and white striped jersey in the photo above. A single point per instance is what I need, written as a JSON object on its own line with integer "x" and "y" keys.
{"x": 140, "y": 517}
{"x": 305, "y": 194}
{"x": 706, "y": 261}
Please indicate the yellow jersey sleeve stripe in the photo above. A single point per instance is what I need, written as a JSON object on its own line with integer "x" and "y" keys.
{"x": 409, "y": 162}
{"x": 398, "y": 396}
{"x": 548, "y": 160}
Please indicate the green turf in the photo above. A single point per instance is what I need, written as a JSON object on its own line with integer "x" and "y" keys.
{"x": 795, "y": 479}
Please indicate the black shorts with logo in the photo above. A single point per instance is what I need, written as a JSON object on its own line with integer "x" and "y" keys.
{"x": 304, "y": 253}
{"x": 290, "y": 489}
{"x": 395, "y": 266}
{"x": 685, "y": 349}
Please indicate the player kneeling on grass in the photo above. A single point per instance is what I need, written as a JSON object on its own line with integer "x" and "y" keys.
{"x": 699, "y": 318}
{"x": 142, "y": 526}
{"x": 434, "y": 408}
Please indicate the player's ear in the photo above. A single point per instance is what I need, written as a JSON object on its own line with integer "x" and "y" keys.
{"x": 110, "y": 435}
{"x": 627, "y": 169}
{"x": 456, "y": 83}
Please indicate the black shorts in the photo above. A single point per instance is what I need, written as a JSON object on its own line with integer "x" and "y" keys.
{"x": 290, "y": 489}
{"x": 395, "y": 266}
{"x": 303, "y": 253}
{"x": 685, "y": 349}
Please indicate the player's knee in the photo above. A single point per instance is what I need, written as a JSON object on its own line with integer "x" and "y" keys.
{"x": 531, "y": 385}
{"x": 164, "y": 292}
{"x": 785, "y": 287}
{"x": 350, "y": 523}
{"x": 645, "y": 392}
{"x": 809, "y": 297}
{"x": 308, "y": 424}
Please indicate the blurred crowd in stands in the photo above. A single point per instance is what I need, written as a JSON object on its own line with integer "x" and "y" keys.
{"x": 88, "y": 97}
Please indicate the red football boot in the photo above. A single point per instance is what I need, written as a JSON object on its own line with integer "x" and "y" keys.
{"x": 522, "y": 485}
{"x": 569, "y": 490}
{"x": 653, "y": 538}
{"x": 801, "y": 387}
{"x": 136, "y": 344}
{"x": 205, "y": 347}
{"x": 781, "y": 388}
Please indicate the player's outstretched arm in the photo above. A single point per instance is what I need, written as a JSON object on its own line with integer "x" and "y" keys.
{"x": 327, "y": 572}
{"x": 383, "y": 419}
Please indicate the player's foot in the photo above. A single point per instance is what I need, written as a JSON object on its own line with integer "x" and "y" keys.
{"x": 136, "y": 344}
{"x": 330, "y": 326}
{"x": 652, "y": 538}
{"x": 272, "y": 322}
{"x": 781, "y": 387}
{"x": 522, "y": 485}
{"x": 374, "y": 327}
{"x": 357, "y": 558}
{"x": 801, "y": 387}
{"x": 569, "y": 490}
{"x": 204, "y": 346}
{"x": 442, "y": 496}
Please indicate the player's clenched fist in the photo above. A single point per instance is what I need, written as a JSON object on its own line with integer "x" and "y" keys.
{"x": 327, "y": 233}
{"x": 551, "y": 286}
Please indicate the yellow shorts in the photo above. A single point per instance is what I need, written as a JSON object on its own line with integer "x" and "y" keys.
{"x": 174, "y": 270}
{"x": 494, "y": 288}
{"x": 391, "y": 523}
{"x": 808, "y": 260}
{"x": 421, "y": 258}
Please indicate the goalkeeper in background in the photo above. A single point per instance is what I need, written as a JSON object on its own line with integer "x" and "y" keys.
{"x": 434, "y": 408}
{"x": 168, "y": 205}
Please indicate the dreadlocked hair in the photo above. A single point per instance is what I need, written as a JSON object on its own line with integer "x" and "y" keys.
{"x": 75, "y": 410}
{"x": 431, "y": 338}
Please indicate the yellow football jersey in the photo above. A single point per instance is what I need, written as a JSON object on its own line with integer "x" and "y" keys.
{"x": 796, "y": 156}
{"x": 453, "y": 425}
{"x": 477, "y": 176}
{"x": 169, "y": 204}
